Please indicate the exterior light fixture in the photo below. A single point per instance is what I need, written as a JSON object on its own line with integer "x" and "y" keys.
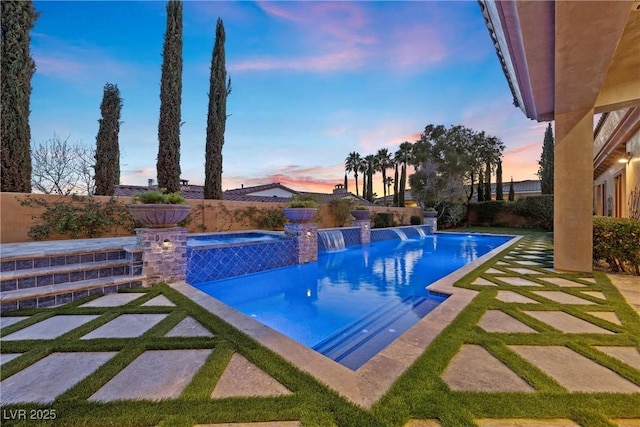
{"x": 626, "y": 158}
{"x": 166, "y": 244}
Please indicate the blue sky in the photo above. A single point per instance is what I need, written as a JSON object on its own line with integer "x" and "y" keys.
{"x": 311, "y": 82}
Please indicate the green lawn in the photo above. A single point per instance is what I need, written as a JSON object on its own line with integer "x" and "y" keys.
{"x": 419, "y": 393}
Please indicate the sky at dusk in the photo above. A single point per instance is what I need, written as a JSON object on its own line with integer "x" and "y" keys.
{"x": 311, "y": 82}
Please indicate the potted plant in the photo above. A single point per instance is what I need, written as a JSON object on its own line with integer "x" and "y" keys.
{"x": 159, "y": 209}
{"x": 361, "y": 213}
{"x": 301, "y": 210}
{"x": 430, "y": 213}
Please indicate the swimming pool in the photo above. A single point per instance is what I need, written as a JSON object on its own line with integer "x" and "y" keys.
{"x": 226, "y": 239}
{"x": 351, "y": 304}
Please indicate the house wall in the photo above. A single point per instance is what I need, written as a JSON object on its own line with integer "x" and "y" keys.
{"x": 272, "y": 192}
{"x": 207, "y": 215}
{"x": 604, "y": 186}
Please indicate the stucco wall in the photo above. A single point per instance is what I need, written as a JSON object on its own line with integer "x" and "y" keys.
{"x": 207, "y": 215}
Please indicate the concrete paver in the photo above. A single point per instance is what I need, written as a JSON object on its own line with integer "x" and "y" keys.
{"x": 561, "y": 281}
{"x": 8, "y": 321}
{"x": 189, "y": 327}
{"x": 423, "y": 423}
{"x": 494, "y": 271}
{"x": 627, "y": 422}
{"x": 609, "y": 316}
{"x": 518, "y": 281}
{"x": 562, "y": 297}
{"x": 508, "y": 296}
{"x": 159, "y": 301}
{"x": 532, "y": 263}
{"x": 155, "y": 374}
{"x": 242, "y": 378}
{"x": 126, "y": 326}
{"x": 524, "y": 271}
{"x": 50, "y": 328}
{"x": 6, "y": 357}
{"x": 628, "y": 355}
{"x": 474, "y": 369}
{"x": 594, "y": 294}
{"x": 257, "y": 424}
{"x": 483, "y": 282}
{"x": 498, "y": 321}
{"x": 46, "y": 379}
{"x": 574, "y": 371}
{"x": 567, "y": 323}
{"x": 113, "y": 300}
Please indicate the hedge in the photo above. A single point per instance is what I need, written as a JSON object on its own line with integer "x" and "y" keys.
{"x": 616, "y": 241}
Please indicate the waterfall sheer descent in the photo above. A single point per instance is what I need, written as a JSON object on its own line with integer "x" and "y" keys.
{"x": 333, "y": 240}
{"x": 400, "y": 233}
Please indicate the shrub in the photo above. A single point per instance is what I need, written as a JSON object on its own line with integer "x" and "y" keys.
{"x": 341, "y": 210}
{"x": 415, "y": 220}
{"x": 383, "y": 220}
{"x": 159, "y": 197}
{"x": 487, "y": 211}
{"x": 303, "y": 204}
{"x": 451, "y": 214}
{"x": 616, "y": 241}
{"x": 81, "y": 217}
{"x": 537, "y": 209}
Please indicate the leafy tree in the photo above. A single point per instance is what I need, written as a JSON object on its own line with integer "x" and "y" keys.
{"x": 499, "y": 194}
{"x": 219, "y": 89}
{"x": 107, "y": 165}
{"x": 545, "y": 171}
{"x": 17, "y": 68}
{"x": 512, "y": 192}
{"x": 60, "y": 167}
{"x": 352, "y": 164}
{"x": 168, "y": 163}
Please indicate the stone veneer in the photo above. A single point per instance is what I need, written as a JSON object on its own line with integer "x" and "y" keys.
{"x": 306, "y": 235}
{"x": 365, "y": 230}
{"x": 431, "y": 221}
{"x": 164, "y": 253}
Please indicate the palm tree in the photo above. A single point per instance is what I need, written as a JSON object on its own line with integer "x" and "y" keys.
{"x": 389, "y": 182}
{"x": 383, "y": 158}
{"x": 352, "y": 164}
{"x": 372, "y": 166}
{"x": 404, "y": 156}
{"x": 362, "y": 168}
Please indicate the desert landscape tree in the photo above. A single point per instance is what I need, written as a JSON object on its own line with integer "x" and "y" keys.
{"x": 168, "y": 162}
{"x": 219, "y": 90}
{"x": 17, "y": 67}
{"x": 107, "y": 164}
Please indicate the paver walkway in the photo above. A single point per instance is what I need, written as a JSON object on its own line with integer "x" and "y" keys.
{"x": 522, "y": 283}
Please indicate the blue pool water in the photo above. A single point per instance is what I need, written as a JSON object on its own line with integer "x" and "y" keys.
{"x": 231, "y": 238}
{"x": 353, "y": 303}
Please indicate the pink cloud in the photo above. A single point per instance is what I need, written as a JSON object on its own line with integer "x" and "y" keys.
{"x": 343, "y": 60}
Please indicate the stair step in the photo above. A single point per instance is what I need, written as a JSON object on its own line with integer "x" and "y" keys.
{"x": 51, "y": 295}
{"x": 61, "y": 269}
{"x": 55, "y": 259}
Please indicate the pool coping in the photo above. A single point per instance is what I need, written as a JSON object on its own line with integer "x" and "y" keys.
{"x": 368, "y": 383}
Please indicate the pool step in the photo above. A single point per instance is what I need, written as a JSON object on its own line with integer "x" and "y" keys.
{"x": 50, "y": 279}
{"x": 356, "y": 343}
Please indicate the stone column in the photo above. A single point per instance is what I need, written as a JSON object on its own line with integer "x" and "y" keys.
{"x": 164, "y": 256}
{"x": 306, "y": 235}
{"x": 432, "y": 222}
{"x": 573, "y": 192}
{"x": 365, "y": 230}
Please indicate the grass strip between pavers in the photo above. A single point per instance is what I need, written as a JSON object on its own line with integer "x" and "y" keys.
{"x": 420, "y": 393}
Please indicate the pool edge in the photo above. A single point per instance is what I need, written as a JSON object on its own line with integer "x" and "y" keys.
{"x": 372, "y": 380}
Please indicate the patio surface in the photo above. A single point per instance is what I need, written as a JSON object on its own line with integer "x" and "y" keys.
{"x": 522, "y": 280}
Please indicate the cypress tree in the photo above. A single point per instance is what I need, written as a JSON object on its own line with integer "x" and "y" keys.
{"x": 219, "y": 89}
{"x": 17, "y": 68}
{"x": 168, "y": 163}
{"x": 107, "y": 166}
{"x": 487, "y": 182}
{"x": 480, "y": 187}
{"x": 545, "y": 171}
{"x": 512, "y": 192}
{"x": 499, "y": 195}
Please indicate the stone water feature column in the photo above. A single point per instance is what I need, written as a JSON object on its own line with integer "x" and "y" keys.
{"x": 164, "y": 256}
{"x": 365, "y": 230}
{"x": 432, "y": 222}
{"x": 306, "y": 235}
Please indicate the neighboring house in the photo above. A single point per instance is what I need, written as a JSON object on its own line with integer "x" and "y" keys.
{"x": 616, "y": 164}
{"x": 261, "y": 193}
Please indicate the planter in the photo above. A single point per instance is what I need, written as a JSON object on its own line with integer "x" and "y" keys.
{"x": 159, "y": 215}
{"x": 361, "y": 215}
{"x": 300, "y": 214}
{"x": 430, "y": 214}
